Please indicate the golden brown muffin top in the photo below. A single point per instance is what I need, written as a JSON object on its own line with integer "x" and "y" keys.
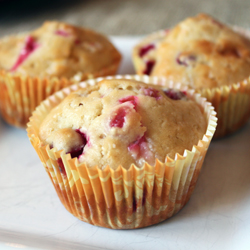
{"x": 202, "y": 53}
{"x": 57, "y": 49}
{"x": 124, "y": 122}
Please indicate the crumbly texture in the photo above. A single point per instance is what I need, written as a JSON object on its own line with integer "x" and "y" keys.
{"x": 200, "y": 52}
{"x": 57, "y": 49}
{"x": 123, "y": 122}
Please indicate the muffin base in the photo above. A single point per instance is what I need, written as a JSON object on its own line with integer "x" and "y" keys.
{"x": 232, "y": 104}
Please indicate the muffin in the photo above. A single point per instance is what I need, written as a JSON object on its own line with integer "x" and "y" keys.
{"x": 207, "y": 56}
{"x": 123, "y": 153}
{"x": 34, "y": 65}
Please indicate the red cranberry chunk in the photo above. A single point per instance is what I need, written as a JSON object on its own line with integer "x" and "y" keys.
{"x": 29, "y": 47}
{"x": 62, "y": 33}
{"x": 81, "y": 134}
{"x": 135, "y": 146}
{"x": 144, "y": 50}
{"x": 152, "y": 93}
{"x": 140, "y": 149}
{"x": 61, "y": 166}
{"x": 132, "y": 99}
{"x": 185, "y": 60}
{"x": 77, "y": 152}
{"x": 119, "y": 119}
{"x": 149, "y": 67}
{"x": 175, "y": 94}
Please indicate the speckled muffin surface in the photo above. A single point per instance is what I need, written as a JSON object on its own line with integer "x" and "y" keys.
{"x": 200, "y": 52}
{"x": 123, "y": 122}
{"x": 57, "y": 49}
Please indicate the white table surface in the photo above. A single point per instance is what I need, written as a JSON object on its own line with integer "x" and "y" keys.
{"x": 216, "y": 217}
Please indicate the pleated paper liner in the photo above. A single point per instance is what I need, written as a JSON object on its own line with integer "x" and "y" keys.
{"x": 231, "y": 102}
{"x": 121, "y": 198}
{"x": 20, "y": 95}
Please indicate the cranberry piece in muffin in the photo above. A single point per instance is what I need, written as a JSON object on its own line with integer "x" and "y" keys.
{"x": 75, "y": 147}
{"x": 72, "y": 141}
{"x": 119, "y": 118}
{"x": 152, "y": 92}
{"x": 77, "y": 151}
{"x": 175, "y": 94}
{"x": 144, "y": 50}
{"x": 140, "y": 149}
{"x": 149, "y": 67}
{"x": 62, "y": 33}
{"x": 132, "y": 99}
{"x": 30, "y": 46}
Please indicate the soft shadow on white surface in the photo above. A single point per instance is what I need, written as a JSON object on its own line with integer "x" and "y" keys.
{"x": 216, "y": 217}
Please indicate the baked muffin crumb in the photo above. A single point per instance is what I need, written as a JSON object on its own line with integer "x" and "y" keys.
{"x": 124, "y": 122}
